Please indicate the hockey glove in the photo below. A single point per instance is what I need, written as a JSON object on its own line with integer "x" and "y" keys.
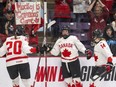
{"x": 37, "y": 49}
{"x": 46, "y": 48}
{"x": 43, "y": 49}
{"x": 49, "y": 47}
{"x": 88, "y": 53}
{"x": 109, "y": 65}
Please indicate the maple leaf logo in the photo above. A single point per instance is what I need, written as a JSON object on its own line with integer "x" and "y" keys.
{"x": 95, "y": 57}
{"x": 36, "y": 20}
{"x": 66, "y": 53}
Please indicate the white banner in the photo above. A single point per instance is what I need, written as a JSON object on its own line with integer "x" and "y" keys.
{"x": 54, "y": 73}
{"x": 27, "y": 13}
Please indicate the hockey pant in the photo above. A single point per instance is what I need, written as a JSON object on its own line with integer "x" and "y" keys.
{"x": 71, "y": 73}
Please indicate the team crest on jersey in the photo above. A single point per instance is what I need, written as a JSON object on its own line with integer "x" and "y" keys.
{"x": 66, "y": 53}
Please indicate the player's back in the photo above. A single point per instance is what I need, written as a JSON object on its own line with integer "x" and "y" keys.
{"x": 15, "y": 53}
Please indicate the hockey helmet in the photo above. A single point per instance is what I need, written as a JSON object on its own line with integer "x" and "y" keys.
{"x": 65, "y": 34}
{"x": 20, "y": 30}
{"x": 65, "y": 28}
{"x": 97, "y": 34}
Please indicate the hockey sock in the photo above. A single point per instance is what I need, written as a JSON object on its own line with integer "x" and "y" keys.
{"x": 26, "y": 82}
{"x": 68, "y": 81}
{"x": 15, "y": 82}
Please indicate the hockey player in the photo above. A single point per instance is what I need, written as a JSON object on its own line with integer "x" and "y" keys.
{"x": 102, "y": 57}
{"x": 68, "y": 46}
{"x": 16, "y": 48}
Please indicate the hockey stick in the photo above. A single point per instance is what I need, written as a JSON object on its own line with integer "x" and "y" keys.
{"x": 98, "y": 76}
{"x": 44, "y": 41}
{"x": 40, "y": 56}
{"x": 46, "y": 26}
{"x": 34, "y": 82}
{"x": 36, "y": 70}
{"x": 102, "y": 74}
{"x": 50, "y": 24}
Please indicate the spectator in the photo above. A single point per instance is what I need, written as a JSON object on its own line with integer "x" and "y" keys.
{"x": 9, "y": 22}
{"x": 80, "y": 9}
{"x": 2, "y": 5}
{"x": 110, "y": 37}
{"x": 10, "y": 5}
{"x": 98, "y": 17}
{"x": 31, "y": 30}
{"x": 114, "y": 22}
{"x": 62, "y": 13}
{"x": 7, "y": 25}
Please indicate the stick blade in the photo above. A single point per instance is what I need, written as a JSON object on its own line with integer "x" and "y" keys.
{"x": 51, "y": 23}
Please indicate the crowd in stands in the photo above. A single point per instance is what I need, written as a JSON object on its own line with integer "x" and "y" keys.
{"x": 100, "y": 13}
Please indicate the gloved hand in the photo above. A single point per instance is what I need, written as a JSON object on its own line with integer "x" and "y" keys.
{"x": 43, "y": 49}
{"x": 46, "y": 48}
{"x": 109, "y": 66}
{"x": 37, "y": 49}
{"x": 49, "y": 47}
{"x": 88, "y": 53}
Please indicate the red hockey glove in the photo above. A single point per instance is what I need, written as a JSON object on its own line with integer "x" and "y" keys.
{"x": 33, "y": 50}
{"x": 88, "y": 52}
{"x": 109, "y": 65}
{"x": 38, "y": 49}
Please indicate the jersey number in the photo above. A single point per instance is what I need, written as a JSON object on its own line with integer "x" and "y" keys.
{"x": 103, "y": 45}
{"x": 14, "y": 47}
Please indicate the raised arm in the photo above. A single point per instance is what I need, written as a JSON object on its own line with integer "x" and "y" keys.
{"x": 91, "y": 6}
{"x": 101, "y": 3}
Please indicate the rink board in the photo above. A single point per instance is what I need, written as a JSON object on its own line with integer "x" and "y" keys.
{"x": 53, "y": 77}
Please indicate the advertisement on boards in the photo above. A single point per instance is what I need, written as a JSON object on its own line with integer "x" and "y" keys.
{"x": 50, "y": 74}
